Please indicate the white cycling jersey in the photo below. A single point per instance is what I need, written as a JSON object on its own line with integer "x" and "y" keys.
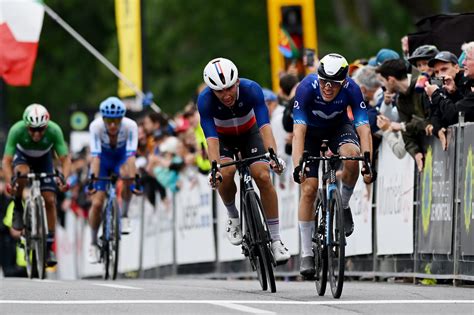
{"x": 127, "y": 138}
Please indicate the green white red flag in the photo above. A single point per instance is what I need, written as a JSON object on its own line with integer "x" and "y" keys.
{"x": 20, "y": 28}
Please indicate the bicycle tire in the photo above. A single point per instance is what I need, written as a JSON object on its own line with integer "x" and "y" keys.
{"x": 264, "y": 240}
{"x": 336, "y": 250}
{"x": 40, "y": 242}
{"x": 30, "y": 255}
{"x": 105, "y": 244}
{"x": 115, "y": 239}
{"x": 319, "y": 245}
{"x": 251, "y": 239}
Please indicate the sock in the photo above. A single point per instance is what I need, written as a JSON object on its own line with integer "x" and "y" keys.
{"x": 346, "y": 193}
{"x": 125, "y": 206}
{"x": 274, "y": 229}
{"x": 306, "y": 234}
{"x": 232, "y": 211}
{"x": 49, "y": 240}
{"x": 93, "y": 236}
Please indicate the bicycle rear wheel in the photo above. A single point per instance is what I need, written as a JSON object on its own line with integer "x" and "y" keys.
{"x": 319, "y": 245}
{"x": 29, "y": 243}
{"x": 263, "y": 237}
{"x": 337, "y": 243}
{"x": 40, "y": 238}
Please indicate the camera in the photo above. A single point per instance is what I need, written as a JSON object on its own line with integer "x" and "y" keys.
{"x": 439, "y": 81}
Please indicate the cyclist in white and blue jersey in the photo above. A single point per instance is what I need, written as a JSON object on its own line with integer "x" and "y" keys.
{"x": 234, "y": 116}
{"x": 113, "y": 144}
{"x": 320, "y": 113}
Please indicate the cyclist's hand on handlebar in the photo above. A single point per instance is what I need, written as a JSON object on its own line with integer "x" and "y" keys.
{"x": 278, "y": 168}
{"x": 214, "y": 182}
{"x": 370, "y": 175}
{"x": 298, "y": 175}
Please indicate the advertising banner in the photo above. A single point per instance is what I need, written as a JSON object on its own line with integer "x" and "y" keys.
{"x": 360, "y": 242}
{"x": 395, "y": 190}
{"x": 194, "y": 221}
{"x": 435, "y": 224}
{"x": 466, "y": 184}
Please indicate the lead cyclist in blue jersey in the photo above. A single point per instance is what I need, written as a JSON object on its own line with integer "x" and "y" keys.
{"x": 234, "y": 116}
{"x": 320, "y": 113}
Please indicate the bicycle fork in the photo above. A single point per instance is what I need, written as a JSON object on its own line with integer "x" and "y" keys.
{"x": 331, "y": 188}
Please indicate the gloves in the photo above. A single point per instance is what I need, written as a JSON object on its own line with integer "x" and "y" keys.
{"x": 296, "y": 174}
{"x": 273, "y": 165}
{"x": 217, "y": 182}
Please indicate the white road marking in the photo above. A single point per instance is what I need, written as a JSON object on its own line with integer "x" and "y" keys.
{"x": 46, "y": 281}
{"x": 366, "y": 302}
{"x": 243, "y": 308}
{"x": 117, "y": 286}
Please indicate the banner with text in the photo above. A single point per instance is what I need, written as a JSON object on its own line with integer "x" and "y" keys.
{"x": 466, "y": 184}
{"x": 395, "y": 189}
{"x": 435, "y": 224}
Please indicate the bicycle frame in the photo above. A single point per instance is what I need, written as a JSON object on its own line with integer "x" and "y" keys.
{"x": 35, "y": 191}
{"x": 111, "y": 195}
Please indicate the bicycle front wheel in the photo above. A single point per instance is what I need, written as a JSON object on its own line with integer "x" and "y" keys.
{"x": 114, "y": 240}
{"x": 337, "y": 243}
{"x": 29, "y": 243}
{"x": 319, "y": 245}
{"x": 262, "y": 237}
{"x": 40, "y": 237}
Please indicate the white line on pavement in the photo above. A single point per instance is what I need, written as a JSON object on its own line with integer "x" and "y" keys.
{"x": 364, "y": 302}
{"x": 243, "y": 308}
{"x": 46, "y": 281}
{"x": 117, "y": 286}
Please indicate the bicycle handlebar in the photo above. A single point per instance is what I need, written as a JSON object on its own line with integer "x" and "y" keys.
{"x": 112, "y": 178}
{"x": 33, "y": 176}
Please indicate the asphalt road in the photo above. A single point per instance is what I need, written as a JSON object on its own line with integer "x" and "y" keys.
{"x": 197, "y": 296}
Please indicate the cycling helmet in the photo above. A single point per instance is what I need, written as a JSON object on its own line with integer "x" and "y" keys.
{"x": 423, "y": 52}
{"x": 220, "y": 73}
{"x": 35, "y": 116}
{"x": 112, "y": 107}
{"x": 333, "y": 67}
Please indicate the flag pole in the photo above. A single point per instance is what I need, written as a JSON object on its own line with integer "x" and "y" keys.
{"x": 98, "y": 55}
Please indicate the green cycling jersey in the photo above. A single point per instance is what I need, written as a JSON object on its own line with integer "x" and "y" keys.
{"x": 19, "y": 138}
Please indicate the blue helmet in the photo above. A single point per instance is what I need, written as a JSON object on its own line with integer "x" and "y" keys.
{"x": 112, "y": 107}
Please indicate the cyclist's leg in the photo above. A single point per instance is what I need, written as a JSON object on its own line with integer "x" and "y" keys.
{"x": 127, "y": 169}
{"x": 20, "y": 165}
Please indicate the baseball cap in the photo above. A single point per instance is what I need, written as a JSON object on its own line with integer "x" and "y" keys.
{"x": 385, "y": 54}
{"x": 444, "y": 56}
{"x": 268, "y": 95}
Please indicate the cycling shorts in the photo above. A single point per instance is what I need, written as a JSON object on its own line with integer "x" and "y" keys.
{"x": 110, "y": 162}
{"x": 249, "y": 144}
{"x": 41, "y": 164}
{"x": 337, "y": 136}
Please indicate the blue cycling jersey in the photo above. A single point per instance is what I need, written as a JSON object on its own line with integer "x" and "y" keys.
{"x": 310, "y": 108}
{"x": 248, "y": 112}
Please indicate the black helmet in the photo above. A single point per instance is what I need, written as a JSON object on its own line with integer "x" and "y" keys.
{"x": 333, "y": 67}
{"x": 423, "y": 52}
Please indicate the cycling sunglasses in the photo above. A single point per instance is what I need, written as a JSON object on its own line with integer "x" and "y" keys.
{"x": 112, "y": 120}
{"x": 37, "y": 129}
{"x": 332, "y": 84}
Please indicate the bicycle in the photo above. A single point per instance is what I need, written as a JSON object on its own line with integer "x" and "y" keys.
{"x": 111, "y": 227}
{"x": 36, "y": 226}
{"x": 256, "y": 242}
{"x": 329, "y": 240}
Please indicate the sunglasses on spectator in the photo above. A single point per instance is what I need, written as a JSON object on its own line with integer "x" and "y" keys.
{"x": 332, "y": 84}
{"x": 112, "y": 120}
{"x": 37, "y": 129}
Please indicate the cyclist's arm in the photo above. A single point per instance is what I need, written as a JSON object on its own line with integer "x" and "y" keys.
{"x": 268, "y": 138}
{"x": 65, "y": 165}
{"x": 302, "y": 96}
{"x": 61, "y": 149}
{"x": 10, "y": 148}
{"x": 299, "y": 134}
{"x": 365, "y": 137}
{"x": 208, "y": 126}
{"x": 95, "y": 147}
{"x": 95, "y": 165}
{"x": 361, "y": 120}
{"x": 213, "y": 149}
{"x": 7, "y": 167}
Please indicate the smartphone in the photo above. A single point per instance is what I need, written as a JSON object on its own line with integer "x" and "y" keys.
{"x": 439, "y": 81}
{"x": 309, "y": 53}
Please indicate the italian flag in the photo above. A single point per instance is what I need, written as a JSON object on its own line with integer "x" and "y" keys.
{"x": 20, "y": 28}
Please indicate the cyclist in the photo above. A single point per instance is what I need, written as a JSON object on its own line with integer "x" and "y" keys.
{"x": 29, "y": 147}
{"x": 320, "y": 112}
{"x": 234, "y": 116}
{"x": 113, "y": 144}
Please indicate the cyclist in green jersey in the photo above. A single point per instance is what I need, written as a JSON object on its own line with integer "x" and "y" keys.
{"x": 30, "y": 146}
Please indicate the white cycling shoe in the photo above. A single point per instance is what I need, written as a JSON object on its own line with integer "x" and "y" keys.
{"x": 126, "y": 227}
{"x": 94, "y": 254}
{"x": 280, "y": 252}
{"x": 234, "y": 231}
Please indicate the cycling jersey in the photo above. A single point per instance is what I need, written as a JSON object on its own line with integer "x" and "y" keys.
{"x": 249, "y": 113}
{"x": 19, "y": 139}
{"x": 127, "y": 138}
{"x": 310, "y": 108}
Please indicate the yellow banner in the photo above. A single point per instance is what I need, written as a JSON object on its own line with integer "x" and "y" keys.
{"x": 128, "y": 18}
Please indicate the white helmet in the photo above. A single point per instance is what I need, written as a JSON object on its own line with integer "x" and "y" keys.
{"x": 36, "y": 115}
{"x": 220, "y": 73}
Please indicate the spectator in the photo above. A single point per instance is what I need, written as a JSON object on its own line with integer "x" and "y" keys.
{"x": 444, "y": 113}
{"x": 421, "y": 56}
{"x": 392, "y": 135}
{"x": 395, "y": 77}
{"x": 152, "y": 122}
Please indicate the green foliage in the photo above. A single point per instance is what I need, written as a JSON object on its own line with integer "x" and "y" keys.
{"x": 181, "y": 37}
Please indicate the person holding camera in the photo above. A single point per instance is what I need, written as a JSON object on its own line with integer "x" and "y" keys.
{"x": 444, "y": 90}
